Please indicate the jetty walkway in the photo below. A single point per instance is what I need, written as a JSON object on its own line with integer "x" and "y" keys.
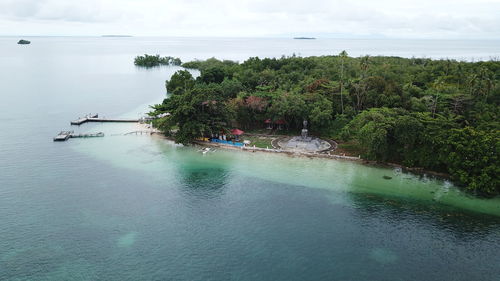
{"x": 86, "y": 119}
{"x": 65, "y": 135}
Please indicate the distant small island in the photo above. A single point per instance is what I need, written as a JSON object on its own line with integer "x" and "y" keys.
{"x": 304, "y": 38}
{"x": 156, "y": 60}
{"x": 23, "y": 42}
{"x": 116, "y": 35}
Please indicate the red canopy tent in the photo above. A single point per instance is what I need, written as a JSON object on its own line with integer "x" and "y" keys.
{"x": 236, "y": 132}
{"x": 268, "y": 121}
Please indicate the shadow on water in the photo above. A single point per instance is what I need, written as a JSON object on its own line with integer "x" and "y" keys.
{"x": 397, "y": 210}
{"x": 202, "y": 177}
{"x": 208, "y": 182}
{"x": 446, "y": 243}
{"x": 41, "y": 260}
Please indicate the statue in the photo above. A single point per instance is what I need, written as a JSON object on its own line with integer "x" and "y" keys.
{"x": 304, "y": 130}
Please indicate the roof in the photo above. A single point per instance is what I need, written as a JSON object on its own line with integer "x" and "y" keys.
{"x": 236, "y": 132}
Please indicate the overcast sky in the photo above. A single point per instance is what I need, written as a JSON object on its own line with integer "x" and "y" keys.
{"x": 451, "y": 19}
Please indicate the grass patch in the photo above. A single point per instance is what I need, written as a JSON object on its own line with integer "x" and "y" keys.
{"x": 351, "y": 148}
{"x": 262, "y": 142}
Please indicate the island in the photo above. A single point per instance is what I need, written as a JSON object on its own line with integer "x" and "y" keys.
{"x": 304, "y": 38}
{"x": 116, "y": 35}
{"x": 437, "y": 115}
{"x": 23, "y": 42}
{"x": 156, "y": 60}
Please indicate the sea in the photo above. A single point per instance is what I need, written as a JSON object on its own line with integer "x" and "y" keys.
{"x": 140, "y": 207}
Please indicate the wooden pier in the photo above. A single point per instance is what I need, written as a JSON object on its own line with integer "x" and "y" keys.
{"x": 146, "y": 132}
{"x": 96, "y": 118}
{"x": 90, "y": 119}
{"x": 94, "y": 135}
{"x": 65, "y": 135}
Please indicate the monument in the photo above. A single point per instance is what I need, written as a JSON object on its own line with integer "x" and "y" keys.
{"x": 304, "y": 143}
{"x": 304, "y": 130}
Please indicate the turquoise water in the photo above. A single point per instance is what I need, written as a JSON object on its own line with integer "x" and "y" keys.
{"x": 143, "y": 208}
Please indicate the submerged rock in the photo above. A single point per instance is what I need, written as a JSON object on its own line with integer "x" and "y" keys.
{"x": 127, "y": 240}
{"x": 387, "y": 177}
{"x": 383, "y": 256}
{"x": 23, "y": 42}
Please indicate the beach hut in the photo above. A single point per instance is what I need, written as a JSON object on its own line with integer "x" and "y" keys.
{"x": 269, "y": 122}
{"x": 280, "y": 123}
{"x": 237, "y": 133}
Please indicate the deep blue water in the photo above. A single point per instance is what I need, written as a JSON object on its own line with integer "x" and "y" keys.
{"x": 141, "y": 208}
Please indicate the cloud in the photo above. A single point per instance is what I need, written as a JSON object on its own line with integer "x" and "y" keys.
{"x": 390, "y": 18}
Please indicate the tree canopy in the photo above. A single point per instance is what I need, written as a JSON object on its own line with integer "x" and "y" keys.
{"x": 435, "y": 114}
{"x": 156, "y": 60}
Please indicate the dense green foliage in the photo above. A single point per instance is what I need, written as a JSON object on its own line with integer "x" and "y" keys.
{"x": 435, "y": 114}
{"x": 156, "y": 60}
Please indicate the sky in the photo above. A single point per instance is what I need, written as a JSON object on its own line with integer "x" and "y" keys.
{"x": 413, "y": 19}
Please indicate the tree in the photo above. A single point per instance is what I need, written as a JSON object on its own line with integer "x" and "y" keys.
{"x": 180, "y": 81}
{"x": 156, "y": 60}
{"x": 197, "y": 112}
{"x": 290, "y": 107}
{"x": 213, "y": 75}
{"x": 373, "y": 128}
{"x": 407, "y": 136}
{"x": 319, "y": 111}
{"x": 360, "y": 86}
{"x": 343, "y": 56}
{"x": 231, "y": 87}
{"x": 473, "y": 158}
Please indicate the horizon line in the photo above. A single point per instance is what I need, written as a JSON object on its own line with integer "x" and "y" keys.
{"x": 260, "y": 37}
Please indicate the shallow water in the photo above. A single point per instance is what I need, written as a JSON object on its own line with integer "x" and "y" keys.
{"x": 143, "y": 208}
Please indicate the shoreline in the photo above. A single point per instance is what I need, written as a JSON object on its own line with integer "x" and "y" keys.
{"x": 359, "y": 160}
{"x": 417, "y": 171}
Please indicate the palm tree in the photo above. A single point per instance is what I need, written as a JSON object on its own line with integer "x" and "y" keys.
{"x": 460, "y": 73}
{"x": 362, "y": 86}
{"x": 343, "y": 56}
{"x": 487, "y": 82}
{"x": 472, "y": 82}
{"x": 364, "y": 66}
